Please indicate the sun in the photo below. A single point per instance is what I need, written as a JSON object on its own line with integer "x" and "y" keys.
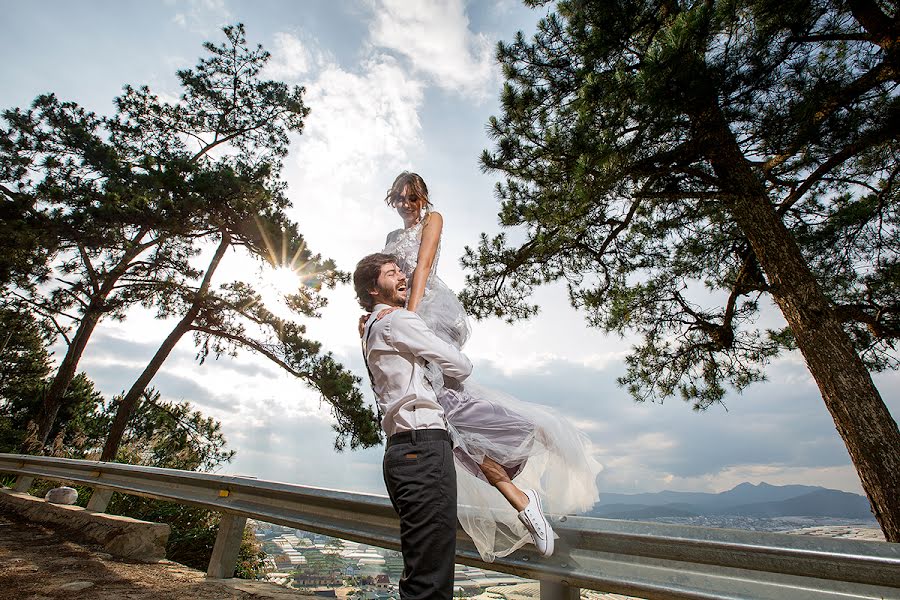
{"x": 284, "y": 281}
{"x": 275, "y": 285}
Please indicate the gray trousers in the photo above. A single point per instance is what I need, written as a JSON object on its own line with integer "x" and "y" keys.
{"x": 421, "y": 482}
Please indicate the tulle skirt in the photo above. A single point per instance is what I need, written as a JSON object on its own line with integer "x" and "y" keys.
{"x": 537, "y": 448}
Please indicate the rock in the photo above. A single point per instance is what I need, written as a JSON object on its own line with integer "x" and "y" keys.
{"x": 120, "y": 536}
{"x": 76, "y": 586}
{"x": 62, "y": 495}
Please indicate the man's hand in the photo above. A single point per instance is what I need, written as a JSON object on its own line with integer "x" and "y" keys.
{"x": 362, "y": 323}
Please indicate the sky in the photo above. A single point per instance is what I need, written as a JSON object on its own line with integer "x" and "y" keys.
{"x": 396, "y": 85}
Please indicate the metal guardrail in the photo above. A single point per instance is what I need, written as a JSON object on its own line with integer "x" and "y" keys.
{"x": 648, "y": 560}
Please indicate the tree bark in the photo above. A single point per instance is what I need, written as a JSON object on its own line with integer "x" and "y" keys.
{"x": 53, "y": 398}
{"x": 883, "y": 29}
{"x": 862, "y": 419}
{"x": 129, "y": 402}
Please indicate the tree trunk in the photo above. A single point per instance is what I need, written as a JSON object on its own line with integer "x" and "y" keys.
{"x": 129, "y": 402}
{"x": 860, "y": 415}
{"x": 53, "y": 398}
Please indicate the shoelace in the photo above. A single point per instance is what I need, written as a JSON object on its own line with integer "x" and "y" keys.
{"x": 535, "y": 523}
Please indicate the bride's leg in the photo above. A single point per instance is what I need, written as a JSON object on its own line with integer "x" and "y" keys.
{"x": 530, "y": 513}
{"x": 497, "y": 477}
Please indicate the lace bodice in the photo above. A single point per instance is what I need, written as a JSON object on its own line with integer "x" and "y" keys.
{"x": 404, "y": 244}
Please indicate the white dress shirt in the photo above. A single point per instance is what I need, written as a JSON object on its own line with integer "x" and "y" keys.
{"x": 396, "y": 348}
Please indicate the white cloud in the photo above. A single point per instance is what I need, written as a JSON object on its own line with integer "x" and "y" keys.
{"x": 200, "y": 16}
{"x": 531, "y": 356}
{"x": 437, "y": 40}
{"x": 291, "y": 57}
{"x": 363, "y": 128}
{"x": 362, "y": 122}
{"x": 506, "y": 8}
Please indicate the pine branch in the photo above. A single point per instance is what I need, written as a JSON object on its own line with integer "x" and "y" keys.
{"x": 49, "y": 314}
{"x": 255, "y": 346}
{"x": 863, "y": 143}
{"x": 89, "y": 267}
{"x": 880, "y": 73}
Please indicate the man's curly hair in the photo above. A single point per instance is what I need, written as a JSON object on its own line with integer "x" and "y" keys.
{"x": 365, "y": 277}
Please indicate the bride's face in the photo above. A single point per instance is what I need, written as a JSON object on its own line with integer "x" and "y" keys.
{"x": 408, "y": 205}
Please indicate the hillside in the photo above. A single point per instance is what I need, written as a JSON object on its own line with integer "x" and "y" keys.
{"x": 749, "y": 500}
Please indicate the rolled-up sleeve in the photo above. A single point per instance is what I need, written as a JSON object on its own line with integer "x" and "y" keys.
{"x": 408, "y": 333}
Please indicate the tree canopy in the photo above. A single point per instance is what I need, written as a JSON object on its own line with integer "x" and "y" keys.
{"x": 114, "y": 211}
{"x": 682, "y": 165}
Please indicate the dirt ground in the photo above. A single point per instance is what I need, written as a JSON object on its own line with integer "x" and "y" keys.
{"x": 37, "y": 563}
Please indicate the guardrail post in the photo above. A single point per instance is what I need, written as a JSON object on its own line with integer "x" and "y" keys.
{"x": 23, "y": 483}
{"x": 228, "y": 544}
{"x": 100, "y": 498}
{"x": 554, "y": 590}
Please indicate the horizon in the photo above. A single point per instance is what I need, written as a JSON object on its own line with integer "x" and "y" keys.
{"x": 382, "y": 101}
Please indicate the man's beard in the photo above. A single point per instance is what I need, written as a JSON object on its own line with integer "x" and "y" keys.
{"x": 392, "y": 297}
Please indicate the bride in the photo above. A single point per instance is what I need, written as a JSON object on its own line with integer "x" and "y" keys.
{"x": 497, "y": 438}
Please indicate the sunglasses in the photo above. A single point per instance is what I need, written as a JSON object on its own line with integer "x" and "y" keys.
{"x": 404, "y": 199}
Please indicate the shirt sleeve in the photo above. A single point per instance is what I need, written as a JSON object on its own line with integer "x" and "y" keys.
{"x": 408, "y": 333}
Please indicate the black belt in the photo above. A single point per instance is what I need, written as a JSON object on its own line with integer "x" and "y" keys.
{"x": 418, "y": 435}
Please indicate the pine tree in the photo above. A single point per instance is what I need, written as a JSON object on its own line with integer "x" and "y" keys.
{"x": 129, "y": 200}
{"x": 680, "y": 164}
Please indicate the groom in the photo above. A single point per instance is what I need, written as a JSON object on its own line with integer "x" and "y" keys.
{"x": 418, "y": 463}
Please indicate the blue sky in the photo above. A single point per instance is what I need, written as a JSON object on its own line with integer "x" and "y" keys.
{"x": 398, "y": 85}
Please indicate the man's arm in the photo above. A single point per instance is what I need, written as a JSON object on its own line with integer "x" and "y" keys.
{"x": 408, "y": 333}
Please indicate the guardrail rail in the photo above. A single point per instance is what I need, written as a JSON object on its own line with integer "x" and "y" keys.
{"x": 648, "y": 560}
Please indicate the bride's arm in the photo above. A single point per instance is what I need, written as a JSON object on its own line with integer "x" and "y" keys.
{"x": 431, "y": 237}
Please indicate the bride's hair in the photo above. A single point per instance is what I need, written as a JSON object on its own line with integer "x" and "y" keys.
{"x": 365, "y": 277}
{"x": 416, "y": 184}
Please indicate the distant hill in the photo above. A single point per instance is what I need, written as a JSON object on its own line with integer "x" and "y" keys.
{"x": 747, "y": 493}
{"x": 746, "y": 499}
{"x": 821, "y": 503}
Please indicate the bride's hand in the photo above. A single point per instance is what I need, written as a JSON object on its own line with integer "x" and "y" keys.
{"x": 362, "y": 323}
{"x": 365, "y": 317}
{"x": 385, "y": 312}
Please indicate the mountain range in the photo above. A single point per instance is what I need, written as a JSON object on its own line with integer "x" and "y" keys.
{"x": 746, "y": 500}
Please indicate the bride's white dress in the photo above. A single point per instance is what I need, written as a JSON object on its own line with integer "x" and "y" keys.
{"x": 537, "y": 447}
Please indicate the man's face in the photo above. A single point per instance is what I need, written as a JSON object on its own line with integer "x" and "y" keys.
{"x": 391, "y": 286}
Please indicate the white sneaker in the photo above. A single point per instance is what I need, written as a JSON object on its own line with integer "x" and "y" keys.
{"x": 537, "y": 524}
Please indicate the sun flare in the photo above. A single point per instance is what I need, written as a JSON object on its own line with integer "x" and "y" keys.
{"x": 284, "y": 281}
{"x": 275, "y": 286}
